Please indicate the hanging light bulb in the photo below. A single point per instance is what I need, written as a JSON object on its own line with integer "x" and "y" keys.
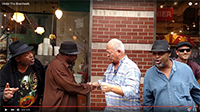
{"x": 18, "y": 17}
{"x": 40, "y": 30}
{"x": 58, "y": 13}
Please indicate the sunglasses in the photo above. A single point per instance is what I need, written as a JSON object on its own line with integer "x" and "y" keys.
{"x": 182, "y": 50}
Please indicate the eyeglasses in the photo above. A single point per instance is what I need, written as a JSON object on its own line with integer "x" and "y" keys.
{"x": 182, "y": 50}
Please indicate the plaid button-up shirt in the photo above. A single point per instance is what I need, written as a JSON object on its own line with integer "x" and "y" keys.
{"x": 127, "y": 76}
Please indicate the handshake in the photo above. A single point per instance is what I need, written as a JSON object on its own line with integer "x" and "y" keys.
{"x": 105, "y": 87}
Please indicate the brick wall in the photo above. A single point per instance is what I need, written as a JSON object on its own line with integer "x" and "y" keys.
{"x": 131, "y": 21}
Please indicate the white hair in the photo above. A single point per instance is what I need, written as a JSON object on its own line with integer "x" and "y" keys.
{"x": 117, "y": 44}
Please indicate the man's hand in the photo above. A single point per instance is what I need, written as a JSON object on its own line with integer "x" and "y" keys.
{"x": 92, "y": 86}
{"x": 8, "y": 92}
{"x": 105, "y": 87}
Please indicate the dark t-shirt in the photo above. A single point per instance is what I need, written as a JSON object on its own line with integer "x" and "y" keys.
{"x": 28, "y": 88}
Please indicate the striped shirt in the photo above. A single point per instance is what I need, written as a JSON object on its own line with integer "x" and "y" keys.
{"x": 127, "y": 76}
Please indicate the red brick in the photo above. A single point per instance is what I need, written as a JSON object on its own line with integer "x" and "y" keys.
{"x": 109, "y": 25}
{"x": 120, "y": 33}
{"x": 121, "y": 18}
{"x": 142, "y": 34}
{"x": 114, "y": 36}
{"x": 104, "y": 29}
{"x": 97, "y": 40}
{"x": 102, "y": 58}
{"x": 97, "y": 32}
{"x": 103, "y": 7}
{"x": 149, "y": 9}
{"x": 94, "y": 50}
{"x": 97, "y": 25}
{"x": 143, "y": 26}
{"x": 96, "y": 92}
{"x": 137, "y": 30}
{"x": 103, "y": 66}
{"x": 148, "y": 37}
{"x": 132, "y": 26}
{"x": 98, "y": 3}
{"x": 125, "y": 29}
{"x": 133, "y": 4}
{"x": 146, "y": 67}
{"x": 110, "y": 3}
{"x": 150, "y": 26}
{"x": 129, "y": 1}
{"x": 97, "y": 69}
{"x": 94, "y": 29}
{"x": 142, "y": 55}
{"x": 102, "y": 36}
{"x": 143, "y": 19}
{"x": 150, "y": 23}
{"x": 103, "y": 21}
{"x": 127, "y": 8}
{"x": 132, "y": 33}
{"x": 143, "y": 4}
{"x": 110, "y": 18}
{"x": 126, "y": 22}
{"x": 121, "y": 26}
{"x": 102, "y": 50}
{"x": 109, "y": 33}
{"x": 138, "y": 8}
{"x": 95, "y": 21}
{"x": 150, "y": 34}
{"x": 101, "y": 104}
{"x": 114, "y": 29}
{"x": 115, "y": 0}
{"x": 97, "y": 54}
{"x": 137, "y": 22}
{"x": 139, "y": 0}
{"x": 92, "y": 104}
{"x": 133, "y": 18}
{"x": 137, "y": 37}
{"x": 98, "y": 17}
{"x": 100, "y": 74}
{"x": 115, "y": 22}
{"x": 125, "y": 37}
{"x": 142, "y": 41}
{"x": 95, "y": 100}
{"x": 115, "y": 7}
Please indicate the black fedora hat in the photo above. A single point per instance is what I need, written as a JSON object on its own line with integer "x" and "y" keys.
{"x": 183, "y": 44}
{"x": 160, "y": 45}
{"x": 69, "y": 48}
{"x": 19, "y": 47}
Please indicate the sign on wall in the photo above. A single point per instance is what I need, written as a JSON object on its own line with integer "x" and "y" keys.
{"x": 165, "y": 14}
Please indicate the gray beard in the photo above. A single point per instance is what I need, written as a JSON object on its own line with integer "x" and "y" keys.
{"x": 161, "y": 65}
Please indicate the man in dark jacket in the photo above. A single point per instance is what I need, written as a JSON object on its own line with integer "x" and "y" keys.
{"x": 22, "y": 80}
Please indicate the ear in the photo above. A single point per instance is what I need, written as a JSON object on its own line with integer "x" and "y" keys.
{"x": 17, "y": 58}
{"x": 119, "y": 51}
{"x": 176, "y": 52}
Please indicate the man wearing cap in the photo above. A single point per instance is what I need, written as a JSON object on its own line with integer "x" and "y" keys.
{"x": 184, "y": 50}
{"x": 21, "y": 68}
{"x": 61, "y": 90}
{"x": 169, "y": 86}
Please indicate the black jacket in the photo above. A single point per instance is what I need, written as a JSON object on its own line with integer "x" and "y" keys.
{"x": 9, "y": 74}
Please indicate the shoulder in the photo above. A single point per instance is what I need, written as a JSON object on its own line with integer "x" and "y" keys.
{"x": 193, "y": 63}
{"x": 129, "y": 63}
{"x": 180, "y": 64}
{"x": 7, "y": 66}
{"x": 150, "y": 72}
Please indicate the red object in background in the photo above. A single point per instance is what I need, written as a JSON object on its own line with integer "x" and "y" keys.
{"x": 165, "y": 14}
{"x": 85, "y": 76}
